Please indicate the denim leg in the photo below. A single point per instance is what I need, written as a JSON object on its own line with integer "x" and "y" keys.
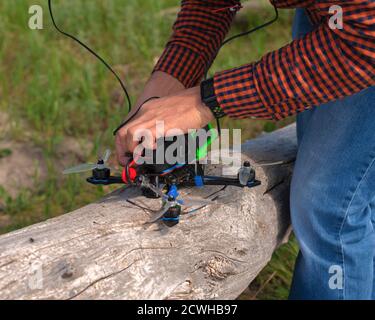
{"x": 332, "y": 200}
{"x": 332, "y": 197}
{"x": 373, "y": 225}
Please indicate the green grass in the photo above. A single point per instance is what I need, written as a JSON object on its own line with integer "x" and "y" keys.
{"x": 52, "y": 89}
{"x": 275, "y": 279}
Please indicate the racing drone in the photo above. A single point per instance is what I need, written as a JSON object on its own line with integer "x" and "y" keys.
{"x": 164, "y": 180}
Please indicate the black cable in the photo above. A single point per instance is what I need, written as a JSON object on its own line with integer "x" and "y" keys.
{"x": 133, "y": 115}
{"x": 92, "y": 52}
{"x": 218, "y": 126}
{"x": 119, "y": 79}
{"x": 254, "y": 29}
{"x": 276, "y": 17}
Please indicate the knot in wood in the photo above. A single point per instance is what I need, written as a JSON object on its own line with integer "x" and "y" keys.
{"x": 219, "y": 267}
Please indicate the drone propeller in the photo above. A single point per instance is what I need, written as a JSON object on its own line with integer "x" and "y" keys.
{"x": 186, "y": 202}
{"x": 81, "y": 168}
{"x": 101, "y": 164}
{"x": 106, "y": 155}
{"x": 191, "y": 202}
{"x": 167, "y": 205}
{"x": 216, "y": 158}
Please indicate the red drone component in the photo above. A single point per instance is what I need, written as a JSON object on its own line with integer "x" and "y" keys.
{"x": 129, "y": 173}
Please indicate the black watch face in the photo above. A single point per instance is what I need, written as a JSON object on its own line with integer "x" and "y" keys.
{"x": 209, "y": 98}
{"x": 209, "y": 90}
{"x": 210, "y": 93}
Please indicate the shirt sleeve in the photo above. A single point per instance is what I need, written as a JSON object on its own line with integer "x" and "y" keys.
{"x": 325, "y": 65}
{"x": 198, "y": 32}
{"x": 292, "y": 4}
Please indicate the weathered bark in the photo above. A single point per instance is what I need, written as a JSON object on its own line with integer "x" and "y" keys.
{"x": 106, "y": 251}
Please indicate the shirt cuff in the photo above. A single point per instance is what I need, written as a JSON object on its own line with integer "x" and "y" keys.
{"x": 237, "y": 94}
{"x": 181, "y": 63}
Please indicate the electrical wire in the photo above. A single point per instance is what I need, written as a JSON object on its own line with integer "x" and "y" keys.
{"x": 266, "y": 24}
{"x": 92, "y": 52}
{"x": 122, "y": 83}
{"x": 239, "y": 35}
{"x": 124, "y": 87}
{"x": 243, "y": 34}
{"x": 133, "y": 115}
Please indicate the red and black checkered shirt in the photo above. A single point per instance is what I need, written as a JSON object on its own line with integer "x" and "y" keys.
{"x": 325, "y": 65}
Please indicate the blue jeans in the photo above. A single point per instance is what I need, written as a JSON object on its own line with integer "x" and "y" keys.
{"x": 333, "y": 196}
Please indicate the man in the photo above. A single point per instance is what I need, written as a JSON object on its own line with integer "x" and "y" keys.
{"x": 329, "y": 74}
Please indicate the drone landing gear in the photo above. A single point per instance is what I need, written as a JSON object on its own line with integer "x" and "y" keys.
{"x": 149, "y": 193}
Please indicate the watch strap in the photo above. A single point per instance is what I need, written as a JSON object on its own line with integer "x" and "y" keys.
{"x": 209, "y": 98}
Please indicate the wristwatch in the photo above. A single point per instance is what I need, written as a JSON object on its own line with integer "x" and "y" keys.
{"x": 209, "y": 98}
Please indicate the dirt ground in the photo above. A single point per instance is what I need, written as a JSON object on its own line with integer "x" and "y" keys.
{"x": 23, "y": 164}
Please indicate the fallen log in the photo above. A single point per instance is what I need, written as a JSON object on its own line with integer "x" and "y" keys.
{"x": 106, "y": 251}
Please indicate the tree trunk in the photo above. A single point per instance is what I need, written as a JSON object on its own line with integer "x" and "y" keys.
{"x": 106, "y": 251}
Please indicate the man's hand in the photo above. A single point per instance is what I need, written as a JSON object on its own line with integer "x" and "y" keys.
{"x": 182, "y": 111}
{"x": 160, "y": 84}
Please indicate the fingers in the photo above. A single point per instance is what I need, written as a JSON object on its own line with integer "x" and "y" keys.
{"x": 133, "y": 139}
{"x": 123, "y": 151}
{"x": 140, "y": 134}
{"x": 122, "y": 157}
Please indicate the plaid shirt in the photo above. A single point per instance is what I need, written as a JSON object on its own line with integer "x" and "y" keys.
{"x": 325, "y": 65}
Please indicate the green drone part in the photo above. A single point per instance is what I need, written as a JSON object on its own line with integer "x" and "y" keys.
{"x": 202, "y": 150}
